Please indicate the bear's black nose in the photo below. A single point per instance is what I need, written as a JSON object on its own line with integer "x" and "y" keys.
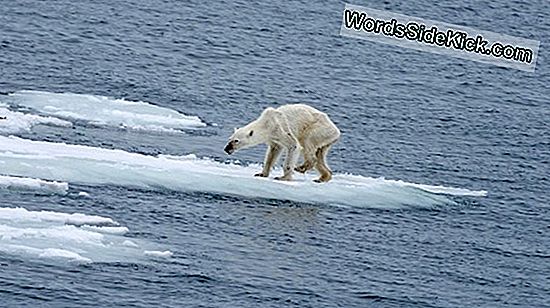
{"x": 229, "y": 148}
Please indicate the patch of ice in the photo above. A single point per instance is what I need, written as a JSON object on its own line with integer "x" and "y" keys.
{"x": 106, "y": 230}
{"x": 12, "y": 122}
{"x": 439, "y": 189}
{"x": 447, "y": 190}
{"x": 70, "y": 237}
{"x": 63, "y": 254}
{"x": 129, "y": 243}
{"x": 91, "y": 165}
{"x": 84, "y": 194}
{"x": 104, "y": 111}
{"x": 77, "y": 219}
{"x": 32, "y": 184}
{"x": 158, "y": 254}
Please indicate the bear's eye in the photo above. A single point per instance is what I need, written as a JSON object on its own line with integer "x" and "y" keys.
{"x": 251, "y": 133}
{"x": 236, "y": 141}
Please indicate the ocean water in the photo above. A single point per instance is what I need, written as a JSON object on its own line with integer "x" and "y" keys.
{"x": 115, "y": 190}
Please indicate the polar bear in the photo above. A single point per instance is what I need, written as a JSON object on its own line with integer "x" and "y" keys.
{"x": 293, "y": 128}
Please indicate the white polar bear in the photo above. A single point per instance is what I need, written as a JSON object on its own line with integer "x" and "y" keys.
{"x": 295, "y": 128}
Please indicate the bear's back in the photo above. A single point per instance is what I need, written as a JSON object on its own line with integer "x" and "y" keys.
{"x": 294, "y": 109}
{"x": 301, "y": 116}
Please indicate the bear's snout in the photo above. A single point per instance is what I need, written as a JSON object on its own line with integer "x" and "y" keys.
{"x": 229, "y": 148}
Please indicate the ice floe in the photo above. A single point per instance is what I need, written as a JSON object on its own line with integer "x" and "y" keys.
{"x": 22, "y": 215}
{"x": 69, "y": 237}
{"x": 84, "y": 194}
{"x": 107, "y": 230}
{"x": 32, "y": 184}
{"x": 12, "y": 122}
{"x": 98, "y": 166}
{"x": 105, "y": 111}
{"x": 158, "y": 254}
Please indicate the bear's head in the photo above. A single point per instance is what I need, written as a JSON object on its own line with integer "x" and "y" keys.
{"x": 257, "y": 132}
{"x": 243, "y": 138}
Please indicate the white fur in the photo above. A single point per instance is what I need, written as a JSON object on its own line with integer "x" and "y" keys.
{"x": 296, "y": 129}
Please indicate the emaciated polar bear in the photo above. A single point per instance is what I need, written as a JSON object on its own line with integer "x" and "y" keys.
{"x": 294, "y": 128}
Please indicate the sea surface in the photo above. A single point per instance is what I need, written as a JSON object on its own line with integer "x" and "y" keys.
{"x": 164, "y": 218}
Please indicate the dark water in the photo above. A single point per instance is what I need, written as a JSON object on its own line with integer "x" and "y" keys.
{"x": 404, "y": 114}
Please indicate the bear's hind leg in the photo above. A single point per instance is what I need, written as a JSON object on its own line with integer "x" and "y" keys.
{"x": 309, "y": 160}
{"x": 321, "y": 166}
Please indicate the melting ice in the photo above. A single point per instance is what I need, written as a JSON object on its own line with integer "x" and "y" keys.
{"x": 14, "y": 122}
{"x": 104, "y": 111}
{"x": 70, "y": 237}
{"x": 98, "y": 166}
{"x": 34, "y": 185}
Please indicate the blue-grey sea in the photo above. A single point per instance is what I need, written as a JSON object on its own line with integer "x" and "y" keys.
{"x": 404, "y": 115}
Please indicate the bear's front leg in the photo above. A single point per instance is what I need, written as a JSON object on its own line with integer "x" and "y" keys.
{"x": 271, "y": 156}
{"x": 290, "y": 161}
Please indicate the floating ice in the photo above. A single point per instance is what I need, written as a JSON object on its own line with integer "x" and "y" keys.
{"x": 129, "y": 243}
{"x": 104, "y": 111}
{"x": 56, "y": 253}
{"x": 159, "y": 254}
{"x": 31, "y": 184}
{"x": 107, "y": 230}
{"x": 70, "y": 237}
{"x": 13, "y": 122}
{"x": 22, "y": 215}
{"x": 91, "y": 165}
{"x": 84, "y": 194}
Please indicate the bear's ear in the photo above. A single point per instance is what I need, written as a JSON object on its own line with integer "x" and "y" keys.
{"x": 251, "y": 133}
{"x": 234, "y": 129}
